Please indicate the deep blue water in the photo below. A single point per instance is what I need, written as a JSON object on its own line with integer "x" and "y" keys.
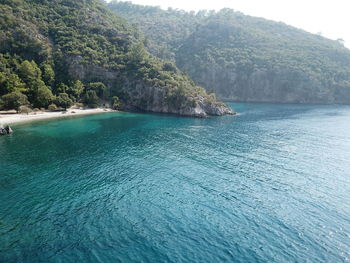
{"x": 269, "y": 185}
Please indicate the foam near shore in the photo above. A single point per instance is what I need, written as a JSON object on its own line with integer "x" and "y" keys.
{"x": 6, "y": 119}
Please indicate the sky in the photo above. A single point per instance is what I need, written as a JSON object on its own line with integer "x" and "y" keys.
{"x": 331, "y": 18}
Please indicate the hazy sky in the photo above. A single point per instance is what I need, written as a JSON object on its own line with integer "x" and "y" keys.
{"x": 330, "y": 17}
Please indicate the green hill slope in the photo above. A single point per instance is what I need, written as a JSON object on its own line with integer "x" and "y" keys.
{"x": 65, "y": 51}
{"x": 243, "y": 58}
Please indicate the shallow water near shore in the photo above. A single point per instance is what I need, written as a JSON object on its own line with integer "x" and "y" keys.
{"x": 269, "y": 185}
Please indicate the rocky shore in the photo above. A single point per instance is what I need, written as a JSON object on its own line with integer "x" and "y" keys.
{"x": 155, "y": 99}
{"x": 200, "y": 109}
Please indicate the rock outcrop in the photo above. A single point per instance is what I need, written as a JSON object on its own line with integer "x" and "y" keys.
{"x": 155, "y": 99}
{"x": 136, "y": 95}
{"x": 5, "y": 131}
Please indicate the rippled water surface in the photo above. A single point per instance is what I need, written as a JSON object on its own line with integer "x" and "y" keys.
{"x": 269, "y": 185}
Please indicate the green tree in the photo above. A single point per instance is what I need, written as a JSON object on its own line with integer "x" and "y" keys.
{"x": 36, "y": 87}
{"x": 52, "y": 107}
{"x": 77, "y": 89}
{"x": 168, "y": 66}
{"x": 38, "y": 93}
{"x": 116, "y": 104}
{"x": 100, "y": 89}
{"x": 48, "y": 74}
{"x": 13, "y": 101}
{"x": 91, "y": 99}
{"x": 10, "y": 83}
{"x": 24, "y": 109}
{"x": 63, "y": 100}
{"x": 29, "y": 72}
{"x": 63, "y": 88}
{"x": 137, "y": 55}
{"x": 43, "y": 97}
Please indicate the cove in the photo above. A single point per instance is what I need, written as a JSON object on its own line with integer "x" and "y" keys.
{"x": 269, "y": 185}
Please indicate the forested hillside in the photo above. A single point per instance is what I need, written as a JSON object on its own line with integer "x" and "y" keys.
{"x": 244, "y": 58}
{"x": 59, "y": 52}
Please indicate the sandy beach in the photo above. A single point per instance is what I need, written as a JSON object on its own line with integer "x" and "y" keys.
{"x": 6, "y": 119}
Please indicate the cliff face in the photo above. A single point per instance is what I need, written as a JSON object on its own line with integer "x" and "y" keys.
{"x": 62, "y": 42}
{"x": 139, "y": 95}
{"x": 154, "y": 99}
{"x": 266, "y": 85}
{"x": 244, "y": 58}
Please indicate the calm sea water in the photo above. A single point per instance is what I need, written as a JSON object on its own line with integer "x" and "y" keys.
{"x": 269, "y": 185}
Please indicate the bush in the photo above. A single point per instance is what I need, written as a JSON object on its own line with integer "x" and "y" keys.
{"x": 25, "y": 109}
{"x": 80, "y": 105}
{"x": 43, "y": 97}
{"x": 116, "y": 105}
{"x": 100, "y": 89}
{"x": 63, "y": 100}
{"x": 14, "y": 100}
{"x": 52, "y": 107}
{"x": 91, "y": 99}
{"x": 169, "y": 67}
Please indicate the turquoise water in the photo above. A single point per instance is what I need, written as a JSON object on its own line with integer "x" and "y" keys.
{"x": 269, "y": 185}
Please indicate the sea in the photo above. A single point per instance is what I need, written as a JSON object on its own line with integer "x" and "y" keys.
{"x": 271, "y": 184}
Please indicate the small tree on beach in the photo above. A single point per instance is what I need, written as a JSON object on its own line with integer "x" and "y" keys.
{"x": 63, "y": 101}
{"x": 43, "y": 97}
{"x": 25, "y": 109}
{"x": 14, "y": 100}
{"x": 52, "y": 107}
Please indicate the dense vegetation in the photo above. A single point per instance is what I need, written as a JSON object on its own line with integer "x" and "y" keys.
{"x": 245, "y": 58}
{"x": 54, "y": 53}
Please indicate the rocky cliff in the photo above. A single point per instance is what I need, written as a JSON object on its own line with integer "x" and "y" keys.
{"x": 138, "y": 94}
